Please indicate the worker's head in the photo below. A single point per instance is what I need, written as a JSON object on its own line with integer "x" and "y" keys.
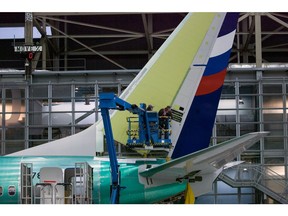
{"x": 168, "y": 108}
{"x": 150, "y": 107}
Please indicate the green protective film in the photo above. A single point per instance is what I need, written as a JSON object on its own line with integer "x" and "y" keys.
{"x": 164, "y": 78}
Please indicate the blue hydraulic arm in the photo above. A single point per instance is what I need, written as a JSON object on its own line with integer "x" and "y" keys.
{"x": 112, "y": 156}
{"x": 109, "y": 101}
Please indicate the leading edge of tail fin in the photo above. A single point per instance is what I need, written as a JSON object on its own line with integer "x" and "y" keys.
{"x": 195, "y": 129}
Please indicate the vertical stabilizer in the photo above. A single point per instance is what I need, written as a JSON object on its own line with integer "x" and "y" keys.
{"x": 173, "y": 74}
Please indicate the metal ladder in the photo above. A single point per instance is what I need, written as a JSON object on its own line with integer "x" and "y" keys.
{"x": 26, "y": 183}
{"x": 83, "y": 183}
{"x": 259, "y": 177}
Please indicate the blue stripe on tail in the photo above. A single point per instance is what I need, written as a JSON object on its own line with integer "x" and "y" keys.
{"x": 217, "y": 63}
{"x": 197, "y": 129}
{"x": 229, "y": 24}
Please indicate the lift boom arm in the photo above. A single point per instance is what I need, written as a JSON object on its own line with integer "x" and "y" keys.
{"x": 109, "y": 101}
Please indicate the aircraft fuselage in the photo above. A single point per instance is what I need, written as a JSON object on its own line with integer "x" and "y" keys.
{"x": 134, "y": 190}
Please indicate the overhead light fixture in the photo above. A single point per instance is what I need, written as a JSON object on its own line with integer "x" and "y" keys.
{"x": 241, "y": 101}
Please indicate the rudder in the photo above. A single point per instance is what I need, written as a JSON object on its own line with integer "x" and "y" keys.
{"x": 196, "y": 131}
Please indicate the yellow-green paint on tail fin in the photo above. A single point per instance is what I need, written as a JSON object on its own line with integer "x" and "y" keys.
{"x": 161, "y": 78}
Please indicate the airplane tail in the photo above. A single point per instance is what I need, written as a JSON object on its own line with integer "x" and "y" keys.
{"x": 187, "y": 73}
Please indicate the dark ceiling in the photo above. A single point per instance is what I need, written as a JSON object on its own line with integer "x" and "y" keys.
{"x": 103, "y": 41}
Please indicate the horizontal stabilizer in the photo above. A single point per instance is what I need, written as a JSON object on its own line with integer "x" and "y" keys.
{"x": 213, "y": 157}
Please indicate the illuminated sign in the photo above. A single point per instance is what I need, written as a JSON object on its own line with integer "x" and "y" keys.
{"x": 27, "y": 48}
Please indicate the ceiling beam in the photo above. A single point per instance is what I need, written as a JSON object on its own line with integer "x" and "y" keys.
{"x": 90, "y": 25}
{"x": 147, "y": 33}
{"x": 276, "y": 19}
{"x": 87, "y": 47}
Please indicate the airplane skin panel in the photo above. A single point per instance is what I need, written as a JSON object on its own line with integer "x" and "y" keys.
{"x": 187, "y": 92}
{"x": 134, "y": 192}
{"x": 169, "y": 68}
{"x": 195, "y": 133}
{"x": 199, "y": 124}
{"x": 211, "y": 83}
{"x": 229, "y": 24}
{"x": 80, "y": 144}
{"x": 221, "y": 44}
{"x": 9, "y": 176}
{"x": 208, "y": 158}
{"x": 217, "y": 63}
{"x": 142, "y": 185}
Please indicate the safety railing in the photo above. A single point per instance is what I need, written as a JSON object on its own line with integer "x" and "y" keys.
{"x": 258, "y": 176}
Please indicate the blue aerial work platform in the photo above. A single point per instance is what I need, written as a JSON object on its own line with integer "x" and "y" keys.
{"x": 144, "y": 130}
{"x": 146, "y": 133}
